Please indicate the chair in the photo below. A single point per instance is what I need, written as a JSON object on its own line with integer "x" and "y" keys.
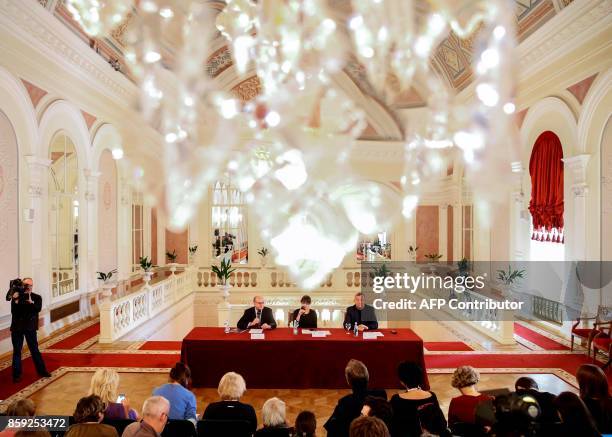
{"x": 183, "y": 428}
{"x": 118, "y": 424}
{"x": 603, "y": 314}
{"x": 603, "y": 341}
{"x": 222, "y": 428}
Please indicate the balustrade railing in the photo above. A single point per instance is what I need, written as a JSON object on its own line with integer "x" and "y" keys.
{"x": 120, "y": 316}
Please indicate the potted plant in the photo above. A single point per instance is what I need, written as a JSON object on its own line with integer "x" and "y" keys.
{"x": 263, "y": 252}
{"x": 107, "y": 285}
{"x": 192, "y": 252}
{"x": 146, "y": 265}
{"x": 433, "y": 257}
{"x": 223, "y": 272}
{"x": 171, "y": 257}
{"x": 463, "y": 267}
{"x": 508, "y": 278}
{"x": 412, "y": 252}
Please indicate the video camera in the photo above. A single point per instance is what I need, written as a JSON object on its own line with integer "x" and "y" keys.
{"x": 511, "y": 414}
{"x": 18, "y": 286}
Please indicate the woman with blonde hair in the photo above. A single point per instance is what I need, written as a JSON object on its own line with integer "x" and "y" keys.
{"x": 274, "y": 416}
{"x": 231, "y": 388}
{"x": 105, "y": 384}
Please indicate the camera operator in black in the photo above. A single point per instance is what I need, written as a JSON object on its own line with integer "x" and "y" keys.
{"x": 25, "y": 306}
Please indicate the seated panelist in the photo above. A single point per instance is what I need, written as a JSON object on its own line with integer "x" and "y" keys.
{"x": 258, "y": 316}
{"x": 362, "y": 314}
{"x": 305, "y": 316}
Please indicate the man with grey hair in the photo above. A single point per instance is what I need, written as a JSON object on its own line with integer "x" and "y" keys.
{"x": 154, "y": 418}
{"x": 273, "y": 414}
{"x": 258, "y": 316}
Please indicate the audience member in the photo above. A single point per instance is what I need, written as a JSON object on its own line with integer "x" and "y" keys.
{"x": 349, "y": 407}
{"x": 575, "y": 417}
{"x": 432, "y": 422}
{"x": 366, "y": 426}
{"x": 546, "y": 401}
{"x": 88, "y": 414}
{"x": 305, "y": 424}
{"x": 463, "y": 408}
{"x": 231, "y": 388}
{"x": 22, "y": 407}
{"x": 105, "y": 383}
{"x": 273, "y": 414}
{"x": 407, "y": 405}
{"x": 378, "y": 407}
{"x": 595, "y": 393}
{"x": 182, "y": 401}
{"x": 154, "y": 418}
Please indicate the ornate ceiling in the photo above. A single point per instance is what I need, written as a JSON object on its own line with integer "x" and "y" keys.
{"x": 452, "y": 59}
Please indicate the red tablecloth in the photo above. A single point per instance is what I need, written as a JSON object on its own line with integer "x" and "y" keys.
{"x": 284, "y": 360}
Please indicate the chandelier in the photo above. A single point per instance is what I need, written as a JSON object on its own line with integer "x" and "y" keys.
{"x": 288, "y": 150}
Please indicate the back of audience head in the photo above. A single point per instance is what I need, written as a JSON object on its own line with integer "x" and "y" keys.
{"x": 366, "y": 426}
{"x": 89, "y": 409}
{"x": 377, "y": 407}
{"x": 432, "y": 420}
{"x": 575, "y": 416}
{"x": 356, "y": 374}
{"x": 231, "y": 387}
{"x": 593, "y": 382}
{"x": 410, "y": 374}
{"x": 155, "y": 412}
{"x": 465, "y": 376}
{"x": 182, "y": 374}
{"x": 305, "y": 424}
{"x": 525, "y": 383}
{"x": 105, "y": 383}
{"x": 21, "y": 407}
{"x": 273, "y": 413}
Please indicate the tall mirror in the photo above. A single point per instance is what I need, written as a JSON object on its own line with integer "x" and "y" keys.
{"x": 63, "y": 216}
{"x": 229, "y": 224}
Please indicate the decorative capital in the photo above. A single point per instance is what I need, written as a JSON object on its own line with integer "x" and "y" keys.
{"x": 577, "y": 165}
{"x": 580, "y": 190}
{"x": 35, "y": 190}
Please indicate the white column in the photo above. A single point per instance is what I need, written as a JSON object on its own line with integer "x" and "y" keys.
{"x": 124, "y": 231}
{"x": 89, "y": 283}
{"x": 443, "y": 231}
{"x": 577, "y": 233}
{"x": 38, "y": 170}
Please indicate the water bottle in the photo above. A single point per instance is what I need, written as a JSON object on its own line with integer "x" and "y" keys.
{"x": 227, "y": 328}
{"x": 356, "y": 330}
{"x": 295, "y": 327}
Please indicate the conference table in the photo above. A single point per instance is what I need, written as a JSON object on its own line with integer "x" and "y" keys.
{"x": 287, "y": 360}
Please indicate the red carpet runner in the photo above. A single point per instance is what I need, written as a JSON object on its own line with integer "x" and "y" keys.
{"x": 538, "y": 339}
{"x": 78, "y": 338}
{"x": 446, "y": 346}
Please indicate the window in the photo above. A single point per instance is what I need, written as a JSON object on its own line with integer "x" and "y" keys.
{"x": 63, "y": 216}
{"x": 229, "y": 223}
{"x": 137, "y": 230}
{"x": 374, "y": 248}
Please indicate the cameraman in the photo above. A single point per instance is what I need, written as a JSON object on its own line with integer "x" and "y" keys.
{"x": 25, "y": 306}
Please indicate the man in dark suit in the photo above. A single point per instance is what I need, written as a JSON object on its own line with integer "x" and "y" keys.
{"x": 24, "y": 323}
{"x": 362, "y": 314}
{"x": 258, "y": 316}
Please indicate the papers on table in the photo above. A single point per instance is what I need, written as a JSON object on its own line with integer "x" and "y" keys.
{"x": 372, "y": 335}
{"x": 255, "y": 331}
{"x": 259, "y": 336}
{"x": 319, "y": 334}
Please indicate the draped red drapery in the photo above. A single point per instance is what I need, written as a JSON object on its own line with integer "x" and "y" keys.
{"x": 546, "y": 205}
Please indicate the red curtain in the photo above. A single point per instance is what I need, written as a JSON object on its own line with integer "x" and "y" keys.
{"x": 546, "y": 205}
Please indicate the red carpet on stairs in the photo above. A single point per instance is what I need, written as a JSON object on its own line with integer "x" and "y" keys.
{"x": 76, "y": 339}
{"x": 444, "y": 346}
{"x": 542, "y": 341}
{"x": 161, "y": 346}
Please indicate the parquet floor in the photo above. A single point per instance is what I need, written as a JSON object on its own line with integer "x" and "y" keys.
{"x": 61, "y": 396}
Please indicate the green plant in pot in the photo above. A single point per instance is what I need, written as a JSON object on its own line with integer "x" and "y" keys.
{"x": 463, "y": 266}
{"x": 510, "y": 277}
{"x": 223, "y": 271}
{"x": 171, "y": 256}
{"x": 192, "y": 252}
{"x": 147, "y": 266}
{"x": 263, "y": 252}
{"x": 433, "y": 257}
{"x": 105, "y": 277}
{"x": 412, "y": 252}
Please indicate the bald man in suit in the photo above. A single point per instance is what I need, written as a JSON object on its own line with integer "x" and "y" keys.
{"x": 258, "y": 316}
